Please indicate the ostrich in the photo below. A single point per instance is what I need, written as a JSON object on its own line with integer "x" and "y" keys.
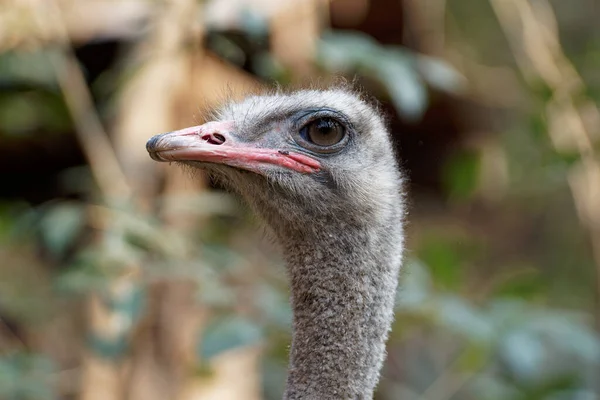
{"x": 318, "y": 167}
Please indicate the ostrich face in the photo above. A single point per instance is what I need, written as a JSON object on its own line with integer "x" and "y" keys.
{"x": 320, "y": 151}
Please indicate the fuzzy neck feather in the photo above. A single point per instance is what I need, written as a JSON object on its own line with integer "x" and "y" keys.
{"x": 343, "y": 281}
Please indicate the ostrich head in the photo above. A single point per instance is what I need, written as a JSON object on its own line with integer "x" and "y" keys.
{"x": 318, "y": 166}
{"x": 309, "y": 154}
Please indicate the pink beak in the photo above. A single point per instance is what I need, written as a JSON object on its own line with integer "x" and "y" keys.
{"x": 214, "y": 143}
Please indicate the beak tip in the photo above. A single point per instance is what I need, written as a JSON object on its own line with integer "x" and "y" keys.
{"x": 151, "y": 143}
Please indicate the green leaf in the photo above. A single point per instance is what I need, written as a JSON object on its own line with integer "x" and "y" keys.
{"x": 565, "y": 159}
{"x": 129, "y": 303}
{"x": 213, "y": 291}
{"x": 31, "y": 68}
{"x": 444, "y": 261}
{"x": 110, "y": 349}
{"x": 568, "y": 335}
{"x": 23, "y": 113}
{"x": 83, "y": 275}
{"x": 474, "y": 357}
{"x": 225, "y": 334}
{"x": 274, "y": 305}
{"x": 404, "y": 85}
{"x": 525, "y": 284}
{"x": 524, "y": 355}
{"x": 19, "y": 114}
{"x": 492, "y": 386}
{"x": 26, "y": 376}
{"x": 415, "y": 287}
{"x": 227, "y": 49}
{"x": 61, "y": 225}
{"x": 392, "y": 66}
{"x": 17, "y": 220}
{"x": 441, "y": 75}
{"x": 461, "y": 317}
{"x": 268, "y": 67}
{"x": 347, "y": 51}
{"x": 461, "y": 174}
{"x": 572, "y": 394}
{"x": 255, "y": 24}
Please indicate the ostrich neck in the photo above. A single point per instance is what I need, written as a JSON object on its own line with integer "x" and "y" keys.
{"x": 343, "y": 283}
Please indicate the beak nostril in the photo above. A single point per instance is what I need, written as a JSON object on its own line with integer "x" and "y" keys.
{"x": 220, "y": 138}
{"x": 214, "y": 138}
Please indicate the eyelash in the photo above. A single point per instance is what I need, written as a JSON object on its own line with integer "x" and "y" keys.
{"x": 311, "y": 116}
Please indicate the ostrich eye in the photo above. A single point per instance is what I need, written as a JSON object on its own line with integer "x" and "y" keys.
{"x": 323, "y": 132}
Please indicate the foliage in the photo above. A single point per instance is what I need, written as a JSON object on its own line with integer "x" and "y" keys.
{"x": 26, "y": 376}
{"x": 514, "y": 347}
{"x": 403, "y": 73}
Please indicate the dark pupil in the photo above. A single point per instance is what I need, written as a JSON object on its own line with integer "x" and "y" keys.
{"x": 325, "y": 132}
{"x": 325, "y": 127}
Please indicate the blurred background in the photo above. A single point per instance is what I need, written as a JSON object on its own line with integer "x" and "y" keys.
{"x": 124, "y": 279}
